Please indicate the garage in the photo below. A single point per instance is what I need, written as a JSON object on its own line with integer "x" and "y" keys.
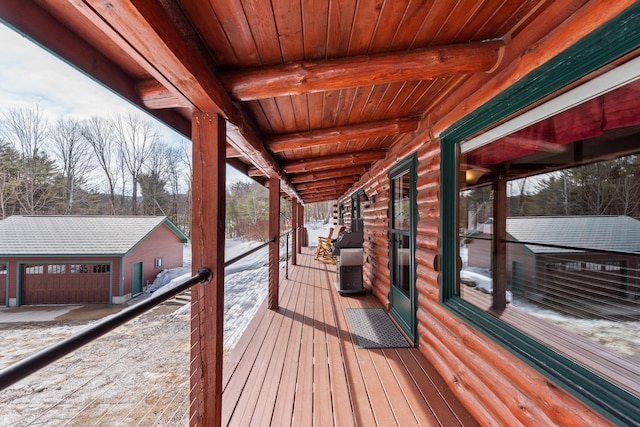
{"x": 65, "y": 283}
{"x": 70, "y": 259}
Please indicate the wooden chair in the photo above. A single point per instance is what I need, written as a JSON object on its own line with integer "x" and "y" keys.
{"x": 323, "y": 253}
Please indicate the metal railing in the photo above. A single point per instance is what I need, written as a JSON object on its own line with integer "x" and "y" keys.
{"x": 37, "y": 361}
{"x": 19, "y": 370}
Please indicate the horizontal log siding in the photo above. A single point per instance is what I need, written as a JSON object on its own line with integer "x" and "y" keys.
{"x": 493, "y": 384}
{"x": 376, "y": 240}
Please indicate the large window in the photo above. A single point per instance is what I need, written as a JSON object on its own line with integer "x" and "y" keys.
{"x": 541, "y": 226}
{"x": 549, "y": 221}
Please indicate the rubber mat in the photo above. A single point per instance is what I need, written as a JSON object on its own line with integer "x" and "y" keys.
{"x": 373, "y": 328}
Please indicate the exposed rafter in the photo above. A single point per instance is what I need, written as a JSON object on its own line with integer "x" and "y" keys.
{"x": 155, "y": 96}
{"x": 330, "y": 162}
{"x": 314, "y": 138}
{"x": 328, "y": 174}
{"x": 309, "y": 77}
{"x": 327, "y": 183}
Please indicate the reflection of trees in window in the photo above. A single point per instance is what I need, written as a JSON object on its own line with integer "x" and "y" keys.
{"x": 609, "y": 187}
{"x": 476, "y": 207}
{"x": 401, "y": 202}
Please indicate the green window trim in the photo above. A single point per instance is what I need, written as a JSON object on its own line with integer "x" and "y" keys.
{"x": 612, "y": 41}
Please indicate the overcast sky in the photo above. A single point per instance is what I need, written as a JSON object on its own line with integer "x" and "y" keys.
{"x": 30, "y": 75}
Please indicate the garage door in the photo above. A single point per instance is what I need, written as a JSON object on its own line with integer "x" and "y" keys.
{"x": 65, "y": 284}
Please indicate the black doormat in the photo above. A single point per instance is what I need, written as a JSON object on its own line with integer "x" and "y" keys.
{"x": 373, "y": 328}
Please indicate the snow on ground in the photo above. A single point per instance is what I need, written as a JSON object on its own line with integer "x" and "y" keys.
{"x": 137, "y": 374}
{"x": 622, "y": 336}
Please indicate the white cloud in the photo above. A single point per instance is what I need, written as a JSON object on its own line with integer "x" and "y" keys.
{"x": 30, "y": 74}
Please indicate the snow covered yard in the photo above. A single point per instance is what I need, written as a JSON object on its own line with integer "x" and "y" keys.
{"x": 137, "y": 374}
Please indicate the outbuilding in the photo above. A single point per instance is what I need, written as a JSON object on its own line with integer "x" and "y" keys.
{"x": 84, "y": 259}
{"x": 582, "y": 264}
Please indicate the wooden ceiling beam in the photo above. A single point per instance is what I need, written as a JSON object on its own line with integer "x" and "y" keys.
{"x": 255, "y": 172}
{"x": 322, "y": 196}
{"x": 149, "y": 35}
{"x": 155, "y": 96}
{"x": 328, "y": 174}
{"x": 233, "y": 153}
{"x": 333, "y": 162}
{"x": 332, "y": 193}
{"x": 327, "y": 183}
{"x": 315, "y": 138}
{"x": 308, "y": 77}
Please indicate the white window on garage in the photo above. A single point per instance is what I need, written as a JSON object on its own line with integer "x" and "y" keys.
{"x": 157, "y": 263}
{"x": 101, "y": 268}
{"x": 56, "y": 269}
{"x": 34, "y": 269}
{"x": 79, "y": 268}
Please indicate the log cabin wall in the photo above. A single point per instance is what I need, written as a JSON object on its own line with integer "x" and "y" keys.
{"x": 493, "y": 384}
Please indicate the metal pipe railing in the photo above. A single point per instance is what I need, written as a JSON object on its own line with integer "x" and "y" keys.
{"x": 35, "y": 362}
{"x": 19, "y": 370}
{"x": 249, "y": 252}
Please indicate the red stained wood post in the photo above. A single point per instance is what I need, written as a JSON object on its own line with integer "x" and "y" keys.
{"x": 274, "y": 247}
{"x": 302, "y": 230}
{"x": 294, "y": 235}
{"x": 207, "y": 237}
{"x": 499, "y": 245}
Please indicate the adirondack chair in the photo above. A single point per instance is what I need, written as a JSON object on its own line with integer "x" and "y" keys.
{"x": 323, "y": 252}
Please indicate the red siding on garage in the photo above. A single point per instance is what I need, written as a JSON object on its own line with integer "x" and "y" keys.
{"x": 161, "y": 242}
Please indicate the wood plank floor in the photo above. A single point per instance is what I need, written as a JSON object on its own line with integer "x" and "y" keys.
{"x": 300, "y": 366}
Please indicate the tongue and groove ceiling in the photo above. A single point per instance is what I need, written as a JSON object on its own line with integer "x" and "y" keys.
{"x": 313, "y": 91}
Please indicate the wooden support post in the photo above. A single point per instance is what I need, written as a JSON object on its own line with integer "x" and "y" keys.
{"x": 499, "y": 246}
{"x": 207, "y": 237}
{"x": 294, "y": 235}
{"x": 302, "y": 230}
{"x": 274, "y": 247}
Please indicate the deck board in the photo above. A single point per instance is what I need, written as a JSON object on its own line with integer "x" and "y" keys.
{"x": 300, "y": 365}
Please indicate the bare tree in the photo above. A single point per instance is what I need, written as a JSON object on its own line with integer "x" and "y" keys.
{"x": 27, "y": 131}
{"x": 74, "y": 156}
{"x": 174, "y": 172}
{"x": 155, "y": 179}
{"x": 185, "y": 158}
{"x": 97, "y": 131}
{"x": 136, "y": 139}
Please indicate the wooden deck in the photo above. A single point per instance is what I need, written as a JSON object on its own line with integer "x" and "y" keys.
{"x": 300, "y": 366}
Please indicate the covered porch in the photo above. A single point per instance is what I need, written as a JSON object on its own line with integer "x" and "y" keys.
{"x": 300, "y": 365}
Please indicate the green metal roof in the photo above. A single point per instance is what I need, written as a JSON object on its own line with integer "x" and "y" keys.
{"x": 77, "y": 235}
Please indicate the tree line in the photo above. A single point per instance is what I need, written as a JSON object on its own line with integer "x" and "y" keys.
{"x": 109, "y": 166}
{"x": 610, "y": 187}
{"x": 114, "y": 166}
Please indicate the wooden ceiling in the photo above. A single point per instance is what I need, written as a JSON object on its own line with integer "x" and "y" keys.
{"x": 313, "y": 91}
